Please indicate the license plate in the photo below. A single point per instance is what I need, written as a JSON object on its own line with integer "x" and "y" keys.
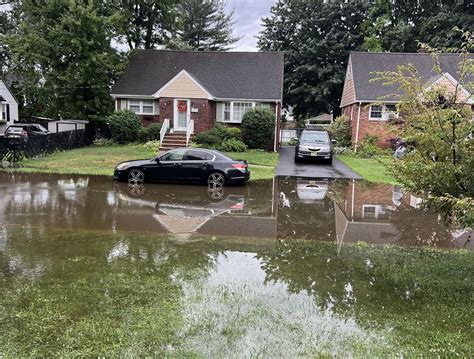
{"x": 314, "y": 154}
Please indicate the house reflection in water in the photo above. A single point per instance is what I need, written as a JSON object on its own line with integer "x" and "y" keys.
{"x": 285, "y": 208}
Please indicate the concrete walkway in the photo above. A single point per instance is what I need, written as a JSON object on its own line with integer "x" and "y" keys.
{"x": 288, "y": 167}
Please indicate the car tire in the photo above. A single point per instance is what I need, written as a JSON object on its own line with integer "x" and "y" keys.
{"x": 329, "y": 161}
{"x": 135, "y": 177}
{"x": 216, "y": 180}
{"x": 297, "y": 160}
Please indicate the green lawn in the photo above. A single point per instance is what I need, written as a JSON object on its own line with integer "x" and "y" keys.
{"x": 101, "y": 160}
{"x": 371, "y": 169}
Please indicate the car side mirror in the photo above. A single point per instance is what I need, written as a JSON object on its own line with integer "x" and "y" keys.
{"x": 157, "y": 159}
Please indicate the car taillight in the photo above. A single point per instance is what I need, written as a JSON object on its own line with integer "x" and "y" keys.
{"x": 240, "y": 166}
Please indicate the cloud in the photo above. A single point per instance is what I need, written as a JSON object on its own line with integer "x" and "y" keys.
{"x": 248, "y": 15}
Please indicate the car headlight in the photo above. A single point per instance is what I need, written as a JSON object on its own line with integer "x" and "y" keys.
{"x": 122, "y": 166}
{"x": 304, "y": 148}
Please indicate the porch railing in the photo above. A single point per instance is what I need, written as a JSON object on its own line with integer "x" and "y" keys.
{"x": 164, "y": 129}
{"x": 189, "y": 131}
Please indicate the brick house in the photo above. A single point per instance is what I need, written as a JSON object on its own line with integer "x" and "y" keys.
{"x": 194, "y": 90}
{"x": 370, "y": 105}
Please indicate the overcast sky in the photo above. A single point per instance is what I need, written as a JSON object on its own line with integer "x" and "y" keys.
{"x": 248, "y": 15}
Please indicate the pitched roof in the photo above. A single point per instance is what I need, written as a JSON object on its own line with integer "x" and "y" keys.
{"x": 225, "y": 75}
{"x": 364, "y": 64}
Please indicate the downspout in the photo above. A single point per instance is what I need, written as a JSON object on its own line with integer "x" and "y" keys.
{"x": 276, "y": 128}
{"x": 357, "y": 128}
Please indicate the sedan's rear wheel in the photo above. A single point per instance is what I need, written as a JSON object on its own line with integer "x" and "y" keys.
{"x": 215, "y": 180}
{"x": 136, "y": 177}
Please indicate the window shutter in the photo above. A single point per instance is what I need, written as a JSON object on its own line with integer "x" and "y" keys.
{"x": 219, "y": 111}
{"x": 8, "y": 112}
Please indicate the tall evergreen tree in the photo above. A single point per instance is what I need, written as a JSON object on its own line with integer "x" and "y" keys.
{"x": 316, "y": 37}
{"x": 145, "y": 24}
{"x": 62, "y": 52}
{"x": 203, "y": 25}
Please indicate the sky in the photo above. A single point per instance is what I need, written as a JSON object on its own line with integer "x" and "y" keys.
{"x": 248, "y": 15}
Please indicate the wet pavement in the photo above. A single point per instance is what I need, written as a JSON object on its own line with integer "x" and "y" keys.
{"x": 279, "y": 268}
{"x": 288, "y": 167}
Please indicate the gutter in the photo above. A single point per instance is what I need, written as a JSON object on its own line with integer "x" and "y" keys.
{"x": 357, "y": 128}
{"x": 275, "y": 134}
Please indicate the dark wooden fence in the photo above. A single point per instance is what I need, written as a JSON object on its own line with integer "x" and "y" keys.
{"x": 14, "y": 150}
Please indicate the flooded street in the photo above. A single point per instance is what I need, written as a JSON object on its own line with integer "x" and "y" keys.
{"x": 290, "y": 267}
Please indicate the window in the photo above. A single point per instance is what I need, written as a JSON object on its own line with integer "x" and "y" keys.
{"x": 375, "y": 211}
{"x": 5, "y": 112}
{"x": 140, "y": 106}
{"x": 147, "y": 106}
{"x": 239, "y": 110}
{"x": 376, "y": 112}
{"x": 176, "y": 155}
{"x": 382, "y": 112}
{"x": 134, "y": 106}
{"x": 234, "y": 111}
{"x": 194, "y": 155}
{"x": 227, "y": 111}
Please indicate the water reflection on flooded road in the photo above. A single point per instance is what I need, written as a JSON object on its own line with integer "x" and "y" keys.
{"x": 342, "y": 211}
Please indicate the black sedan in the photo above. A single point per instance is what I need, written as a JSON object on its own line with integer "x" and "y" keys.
{"x": 185, "y": 165}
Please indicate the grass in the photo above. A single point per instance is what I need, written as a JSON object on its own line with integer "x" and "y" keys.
{"x": 101, "y": 160}
{"x": 371, "y": 169}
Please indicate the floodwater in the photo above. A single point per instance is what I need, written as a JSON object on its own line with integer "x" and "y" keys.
{"x": 290, "y": 267}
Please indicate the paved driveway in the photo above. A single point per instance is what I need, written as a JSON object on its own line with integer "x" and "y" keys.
{"x": 288, "y": 167}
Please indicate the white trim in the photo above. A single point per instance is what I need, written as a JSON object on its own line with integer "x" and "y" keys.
{"x": 456, "y": 83}
{"x": 157, "y": 93}
{"x": 121, "y": 96}
{"x": 223, "y": 99}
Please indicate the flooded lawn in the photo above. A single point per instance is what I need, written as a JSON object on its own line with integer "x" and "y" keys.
{"x": 284, "y": 268}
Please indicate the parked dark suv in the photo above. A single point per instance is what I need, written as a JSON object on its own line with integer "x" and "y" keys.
{"x": 19, "y": 130}
{"x": 314, "y": 144}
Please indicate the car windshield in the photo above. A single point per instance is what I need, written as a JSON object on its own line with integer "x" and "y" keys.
{"x": 15, "y": 129}
{"x": 309, "y": 136}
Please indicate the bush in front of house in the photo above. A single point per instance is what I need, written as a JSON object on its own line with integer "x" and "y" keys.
{"x": 233, "y": 145}
{"x": 368, "y": 148}
{"x": 216, "y": 136}
{"x": 340, "y": 130}
{"x": 124, "y": 126}
{"x": 258, "y": 126}
{"x": 150, "y": 133}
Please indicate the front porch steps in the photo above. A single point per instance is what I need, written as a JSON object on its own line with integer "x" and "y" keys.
{"x": 173, "y": 140}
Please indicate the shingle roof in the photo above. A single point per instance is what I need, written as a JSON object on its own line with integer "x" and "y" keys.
{"x": 232, "y": 75}
{"x": 364, "y": 64}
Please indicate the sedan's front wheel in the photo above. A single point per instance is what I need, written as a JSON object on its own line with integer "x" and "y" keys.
{"x": 136, "y": 177}
{"x": 215, "y": 180}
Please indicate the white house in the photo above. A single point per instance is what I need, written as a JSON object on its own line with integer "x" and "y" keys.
{"x": 8, "y": 107}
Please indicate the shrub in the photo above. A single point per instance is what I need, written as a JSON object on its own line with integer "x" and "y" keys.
{"x": 340, "y": 131}
{"x": 368, "y": 148}
{"x": 150, "y": 133}
{"x": 152, "y": 145}
{"x": 258, "y": 125}
{"x": 293, "y": 142}
{"x": 233, "y": 145}
{"x": 103, "y": 142}
{"x": 124, "y": 126}
{"x": 217, "y": 135}
{"x": 208, "y": 139}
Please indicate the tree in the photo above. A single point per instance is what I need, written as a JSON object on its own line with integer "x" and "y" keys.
{"x": 317, "y": 38}
{"x": 438, "y": 122}
{"x": 61, "y": 51}
{"x": 144, "y": 24}
{"x": 203, "y": 25}
{"x": 398, "y": 26}
{"x": 6, "y": 25}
